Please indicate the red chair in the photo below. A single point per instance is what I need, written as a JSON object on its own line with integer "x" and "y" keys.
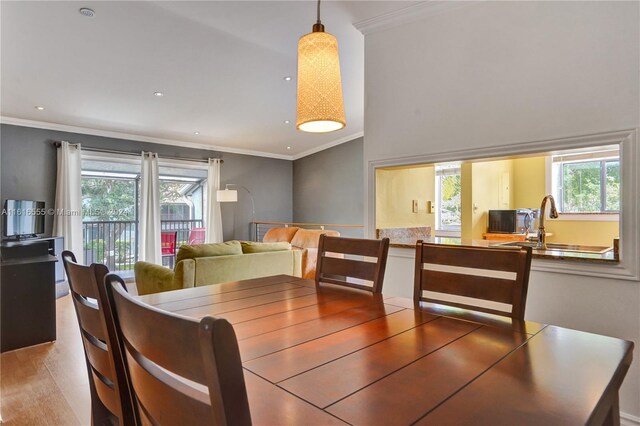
{"x": 196, "y": 236}
{"x": 168, "y": 244}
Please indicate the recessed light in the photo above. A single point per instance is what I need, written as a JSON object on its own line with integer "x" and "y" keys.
{"x": 39, "y": 108}
{"x": 286, "y": 122}
{"x": 158, "y": 94}
{"x": 86, "y": 12}
{"x": 196, "y": 133}
{"x": 287, "y": 78}
{"x": 288, "y": 147}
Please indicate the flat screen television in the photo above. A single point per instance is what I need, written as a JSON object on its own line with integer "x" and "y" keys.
{"x": 23, "y": 218}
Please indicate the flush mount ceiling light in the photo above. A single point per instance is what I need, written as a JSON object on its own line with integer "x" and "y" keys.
{"x": 286, "y": 122}
{"x": 85, "y": 11}
{"x": 320, "y": 103}
{"x": 158, "y": 94}
{"x": 39, "y": 108}
{"x": 196, "y": 133}
{"x": 287, "y": 78}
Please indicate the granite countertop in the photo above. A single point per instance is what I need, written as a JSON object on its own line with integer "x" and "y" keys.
{"x": 607, "y": 257}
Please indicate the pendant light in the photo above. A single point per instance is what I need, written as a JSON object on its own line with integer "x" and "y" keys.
{"x": 320, "y": 103}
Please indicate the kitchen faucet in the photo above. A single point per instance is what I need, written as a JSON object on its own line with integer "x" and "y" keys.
{"x": 553, "y": 214}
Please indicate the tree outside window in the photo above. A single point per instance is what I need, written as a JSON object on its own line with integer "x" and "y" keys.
{"x": 108, "y": 199}
{"x": 590, "y": 186}
{"x": 612, "y": 200}
{"x": 449, "y": 189}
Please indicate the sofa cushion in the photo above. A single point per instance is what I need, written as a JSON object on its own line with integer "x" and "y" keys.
{"x": 255, "y": 247}
{"x": 207, "y": 250}
{"x": 309, "y": 238}
{"x": 222, "y": 269}
{"x": 275, "y": 235}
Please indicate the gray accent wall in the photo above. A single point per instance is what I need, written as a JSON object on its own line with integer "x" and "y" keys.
{"x": 28, "y": 167}
{"x": 328, "y": 187}
{"x": 28, "y": 171}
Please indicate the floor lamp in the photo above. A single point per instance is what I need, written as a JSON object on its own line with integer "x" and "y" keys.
{"x": 227, "y": 195}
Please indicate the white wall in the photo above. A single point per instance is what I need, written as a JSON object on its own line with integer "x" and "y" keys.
{"x": 496, "y": 73}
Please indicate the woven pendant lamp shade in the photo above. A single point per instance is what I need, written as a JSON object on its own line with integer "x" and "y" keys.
{"x": 320, "y": 103}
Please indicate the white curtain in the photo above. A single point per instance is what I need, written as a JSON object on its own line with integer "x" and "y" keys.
{"x": 213, "y": 221}
{"x": 67, "y": 221}
{"x": 149, "y": 232}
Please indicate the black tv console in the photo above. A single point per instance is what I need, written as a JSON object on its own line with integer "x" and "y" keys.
{"x": 27, "y": 292}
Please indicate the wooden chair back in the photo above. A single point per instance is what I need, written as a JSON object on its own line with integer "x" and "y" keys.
{"x": 182, "y": 371}
{"x": 110, "y": 395}
{"x": 333, "y": 268}
{"x": 482, "y": 273}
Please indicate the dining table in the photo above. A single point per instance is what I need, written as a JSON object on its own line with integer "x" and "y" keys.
{"x": 331, "y": 355}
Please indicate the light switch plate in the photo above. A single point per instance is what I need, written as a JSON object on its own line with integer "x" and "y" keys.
{"x": 415, "y": 206}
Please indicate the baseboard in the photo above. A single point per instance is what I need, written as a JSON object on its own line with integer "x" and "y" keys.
{"x": 629, "y": 420}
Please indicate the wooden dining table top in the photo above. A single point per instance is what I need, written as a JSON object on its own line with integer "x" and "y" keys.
{"x": 335, "y": 355}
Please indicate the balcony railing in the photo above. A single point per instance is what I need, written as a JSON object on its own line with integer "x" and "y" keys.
{"x": 113, "y": 243}
{"x": 110, "y": 242}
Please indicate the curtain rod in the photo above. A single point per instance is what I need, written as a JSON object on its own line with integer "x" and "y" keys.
{"x": 57, "y": 144}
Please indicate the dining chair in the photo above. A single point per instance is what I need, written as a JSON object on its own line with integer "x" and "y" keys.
{"x": 461, "y": 275}
{"x": 182, "y": 371}
{"x": 333, "y": 268}
{"x": 196, "y": 236}
{"x": 168, "y": 241}
{"x": 110, "y": 395}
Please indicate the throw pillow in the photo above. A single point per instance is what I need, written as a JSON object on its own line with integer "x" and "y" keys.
{"x": 254, "y": 247}
{"x": 276, "y": 235}
{"x": 206, "y": 250}
{"x": 309, "y": 238}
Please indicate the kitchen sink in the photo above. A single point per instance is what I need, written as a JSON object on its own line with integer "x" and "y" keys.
{"x": 557, "y": 246}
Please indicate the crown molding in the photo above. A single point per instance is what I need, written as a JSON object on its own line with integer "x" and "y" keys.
{"x": 411, "y": 13}
{"x": 133, "y": 137}
{"x": 140, "y": 138}
{"x": 328, "y": 145}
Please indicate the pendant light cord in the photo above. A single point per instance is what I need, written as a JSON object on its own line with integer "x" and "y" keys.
{"x": 318, "y": 27}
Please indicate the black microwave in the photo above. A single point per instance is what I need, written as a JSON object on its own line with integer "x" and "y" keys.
{"x": 512, "y": 221}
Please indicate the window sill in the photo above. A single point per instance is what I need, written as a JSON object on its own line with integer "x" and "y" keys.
{"x": 591, "y": 217}
{"x": 447, "y": 233}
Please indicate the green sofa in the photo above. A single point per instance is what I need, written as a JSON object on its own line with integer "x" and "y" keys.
{"x": 206, "y": 264}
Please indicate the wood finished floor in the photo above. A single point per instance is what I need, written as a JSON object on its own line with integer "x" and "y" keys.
{"x": 47, "y": 384}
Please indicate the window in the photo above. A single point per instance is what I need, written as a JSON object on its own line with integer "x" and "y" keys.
{"x": 110, "y": 205}
{"x": 181, "y": 208}
{"x": 535, "y": 172}
{"x": 448, "y": 191}
{"x": 587, "y": 181}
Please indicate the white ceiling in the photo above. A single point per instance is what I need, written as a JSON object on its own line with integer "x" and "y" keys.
{"x": 220, "y": 65}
